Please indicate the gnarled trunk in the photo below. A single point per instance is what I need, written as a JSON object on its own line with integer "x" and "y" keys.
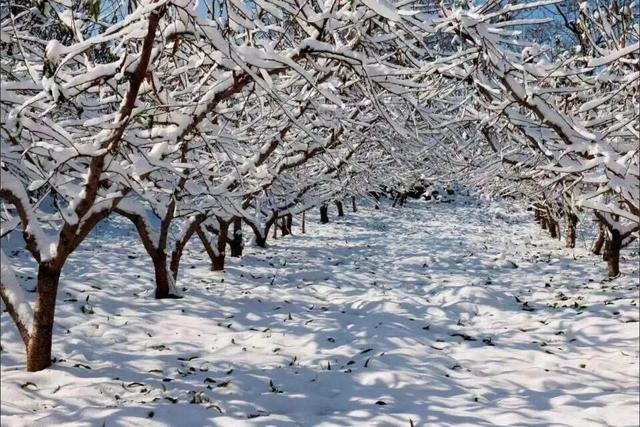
{"x": 285, "y": 226}
{"x": 180, "y": 244}
{"x": 218, "y": 259}
{"x": 553, "y": 228}
{"x": 324, "y": 214}
{"x": 572, "y": 222}
{"x": 41, "y": 334}
{"x": 211, "y": 252}
{"x": 596, "y": 249}
{"x": 163, "y": 288}
{"x": 614, "y": 244}
{"x": 261, "y": 241}
{"x": 236, "y": 245}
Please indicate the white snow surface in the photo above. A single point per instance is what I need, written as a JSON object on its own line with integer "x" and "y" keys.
{"x": 380, "y": 318}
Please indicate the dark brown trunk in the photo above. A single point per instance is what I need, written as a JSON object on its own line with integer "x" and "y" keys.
{"x": 275, "y": 230}
{"x": 218, "y": 259}
{"x": 261, "y": 241}
{"x": 543, "y": 223}
{"x": 553, "y": 229}
{"x": 599, "y": 243}
{"x": 162, "y": 275}
{"x": 39, "y": 347}
{"x": 572, "y": 221}
{"x": 377, "y": 197}
{"x": 340, "y": 208}
{"x": 290, "y": 223}
{"x": 353, "y": 204}
{"x": 176, "y": 254}
{"x": 613, "y": 252}
{"x": 174, "y": 264}
{"x": 304, "y": 223}
{"x": 395, "y": 200}
{"x": 285, "y": 227}
{"x": 207, "y": 245}
{"x": 236, "y": 243}
{"x": 324, "y": 214}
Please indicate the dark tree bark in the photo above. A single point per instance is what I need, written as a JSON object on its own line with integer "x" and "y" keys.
{"x": 162, "y": 276}
{"x": 377, "y": 197}
{"x": 553, "y": 228}
{"x": 157, "y": 253}
{"x": 324, "y": 214}
{"x": 353, "y": 204}
{"x": 340, "y": 208}
{"x": 260, "y": 238}
{"x": 218, "y": 259}
{"x": 236, "y": 243}
{"x": 289, "y": 219}
{"x": 176, "y": 254}
{"x": 304, "y": 223}
{"x": 614, "y": 244}
{"x": 596, "y": 249}
{"x": 285, "y": 226}
{"x": 41, "y": 334}
{"x": 572, "y": 222}
{"x": 261, "y": 241}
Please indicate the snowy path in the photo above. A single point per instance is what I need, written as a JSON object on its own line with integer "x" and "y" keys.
{"x": 381, "y": 318}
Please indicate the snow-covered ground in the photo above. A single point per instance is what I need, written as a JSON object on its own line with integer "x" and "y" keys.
{"x": 434, "y": 314}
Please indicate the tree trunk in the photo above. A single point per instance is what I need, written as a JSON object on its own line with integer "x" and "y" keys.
{"x": 596, "y": 249}
{"x": 218, "y": 259}
{"x": 205, "y": 242}
{"x": 572, "y": 221}
{"x": 39, "y": 347}
{"x": 286, "y": 228}
{"x": 395, "y": 200}
{"x": 553, "y": 229}
{"x": 377, "y": 197}
{"x": 275, "y": 230}
{"x": 290, "y": 223}
{"x": 176, "y": 254}
{"x": 261, "y": 241}
{"x": 304, "y": 223}
{"x": 543, "y": 222}
{"x": 353, "y": 204}
{"x": 537, "y": 215}
{"x": 324, "y": 214}
{"x": 340, "y": 208}
{"x": 613, "y": 252}
{"x": 162, "y": 275}
{"x": 236, "y": 243}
